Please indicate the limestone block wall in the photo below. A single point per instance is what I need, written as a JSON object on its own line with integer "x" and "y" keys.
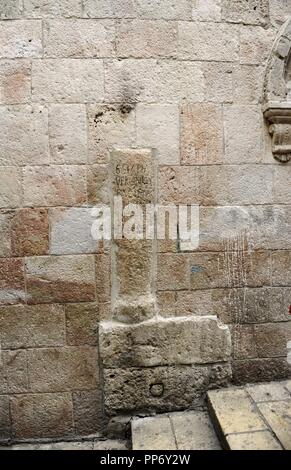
{"x": 185, "y": 77}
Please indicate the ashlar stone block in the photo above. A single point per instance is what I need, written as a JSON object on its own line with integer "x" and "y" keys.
{"x": 20, "y": 39}
{"x": 15, "y": 81}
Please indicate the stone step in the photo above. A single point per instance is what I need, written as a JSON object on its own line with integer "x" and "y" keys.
{"x": 255, "y": 417}
{"x": 191, "y": 430}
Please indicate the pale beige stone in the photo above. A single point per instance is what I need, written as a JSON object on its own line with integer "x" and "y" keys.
{"x": 179, "y": 185}
{"x": 242, "y": 11}
{"x": 15, "y": 81}
{"x": 144, "y": 39}
{"x": 24, "y": 135}
{"x": 62, "y": 279}
{"x": 272, "y": 338}
{"x": 243, "y": 134}
{"x": 10, "y": 9}
{"x": 193, "y": 431}
{"x": 44, "y": 8}
{"x": 201, "y": 134}
{"x": 288, "y": 385}
{"x": 279, "y": 11}
{"x": 282, "y": 180}
{"x": 206, "y": 10}
{"x": 20, "y": 39}
{"x": 218, "y": 82}
{"x": 234, "y": 412}
{"x": 63, "y": 369}
{"x": 10, "y": 187}
{"x": 166, "y": 9}
{"x": 50, "y": 80}
{"x": 55, "y": 185}
{"x": 218, "y": 42}
{"x": 153, "y": 434}
{"x": 82, "y": 324}
{"x": 68, "y": 133}
{"x": 32, "y": 326}
{"x": 13, "y": 374}
{"x": 158, "y": 127}
{"x": 98, "y": 184}
{"x": 255, "y": 44}
{"x": 42, "y": 415}
{"x": 112, "y": 9}
{"x": 260, "y": 440}
{"x": 79, "y": 38}
{"x": 110, "y": 444}
{"x": 70, "y": 231}
{"x": 173, "y": 271}
{"x": 273, "y": 391}
{"x": 278, "y": 416}
{"x": 153, "y": 81}
{"x": 205, "y": 340}
{"x": 243, "y": 340}
{"x": 248, "y": 81}
{"x": 110, "y": 126}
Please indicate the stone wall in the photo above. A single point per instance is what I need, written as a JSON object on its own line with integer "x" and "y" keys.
{"x": 185, "y": 77}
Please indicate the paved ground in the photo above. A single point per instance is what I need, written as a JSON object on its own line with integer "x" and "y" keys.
{"x": 107, "y": 444}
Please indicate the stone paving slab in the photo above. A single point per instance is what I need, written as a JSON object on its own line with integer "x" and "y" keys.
{"x": 107, "y": 444}
{"x": 273, "y": 391}
{"x": 153, "y": 434}
{"x": 261, "y": 440}
{"x": 278, "y": 416}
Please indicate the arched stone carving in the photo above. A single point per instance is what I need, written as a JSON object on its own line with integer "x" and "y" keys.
{"x": 277, "y": 95}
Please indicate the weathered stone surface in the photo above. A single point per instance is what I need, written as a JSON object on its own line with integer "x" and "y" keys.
{"x": 12, "y": 285}
{"x": 206, "y": 10}
{"x": 103, "y": 278}
{"x": 24, "y": 135}
{"x": 63, "y": 369}
{"x": 260, "y": 370}
{"x": 281, "y": 181}
{"x": 260, "y": 440}
{"x": 153, "y": 434}
{"x": 178, "y": 387}
{"x": 20, "y": 39}
{"x": 229, "y": 185}
{"x": 10, "y": 9}
{"x": 166, "y": 303}
{"x": 68, "y": 133}
{"x": 98, "y": 184}
{"x": 158, "y": 127}
{"x": 82, "y": 324}
{"x": 166, "y": 9}
{"x": 5, "y": 424}
{"x": 272, "y": 391}
{"x": 147, "y": 344}
{"x": 110, "y": 444}
{"x": 79, "y": 38}
{"x": 234, "y": 412}
{"x": 194, "y": 431}
{"x": 70, "y": 231}
{"x": 60, "y": 279}
{"x": 151, "y": 81}
{"x": 29, "y": 232}
{"x": 49, "y": 80}
{"x": 54, "y": 185}
{"x": 145, "y": 39}
{"x": 87, "y": 412}
{"x": 173, "y": 271}
{"x": 201, "y": 134}
{"x": 10, "y": 187}
{"x": 43, "y": 9}
{"x": 42, "y": 415}
{"x": 218, "y": 82}
{"x": 242, "y": 11}
{"x": 247, "y": 80}
{"x": 5, "y": 240}
{"x": 15, "y": 81}
{"x": 133, "y": 179}
{"x": 24, "y": 326}
{"x": 281, "y": 269}
{"x": 243, "y": 340}
{"x": 243, "y": 134}
{"x": 13, "y": 373}
{"x": 112, "y": 9}
{"x": 271, "y": 339}
{"x": 255, "y": 44}
{"x": 218, "y": 42}
{"x": 278, "y": 416}
{"x": 179, "y": 185}
{"x": 279, "y": 11}
{"x": 110, "y": 126}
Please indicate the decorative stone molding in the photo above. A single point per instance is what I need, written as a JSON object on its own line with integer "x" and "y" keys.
{"x": 277, "y": 100}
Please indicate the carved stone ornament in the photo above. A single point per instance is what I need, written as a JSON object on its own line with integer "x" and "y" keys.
{"x": 277, "y": 96}
{"x": 279, "y": 117}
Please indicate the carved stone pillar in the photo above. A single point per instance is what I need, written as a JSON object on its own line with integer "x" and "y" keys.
{"x": 279, "y": 117}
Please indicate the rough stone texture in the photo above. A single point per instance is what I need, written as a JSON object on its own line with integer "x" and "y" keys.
{"x": 5, "y": 423}
{"x": 88, "y": 413}
{"x": 14, "y": 377}
{"x": 160, "y": 388}
{"x": 194, "y": 431}
{"x": 279, "y": 11}
{"x": 43, "y": 9}
{"x": 260, "y": 370}
{"x": 12, "y": 285}
{"x": 278, "y": 416}
{"x": 10, "y": 187}
{"x": 50, "y": 84}
{"x": 97, "y": 184}
{"x": 78, "y": 38}
{"x": 153, "y": 434}
{"x": 112, "y": 9}
{"x": 68, "y": 133}
{"x": 42, "y": 415}
{"x": 60, "y": 279}
{"x": 268, "y": 392}
{"x": 20, "y": 39}
{"x": 54, "y": 185}
{"x": 206, "y": 10}
{"x": 82, "y": 324}
{"x": 24, "y": 135}
{"x": 245, "y": 11}
{"x": 147, "y": 345}
{"x": 15, "y": 81}
{"x": 261, "y": 440}
{"x": 29, "y": 232}
{"x": 36, "y": 326}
